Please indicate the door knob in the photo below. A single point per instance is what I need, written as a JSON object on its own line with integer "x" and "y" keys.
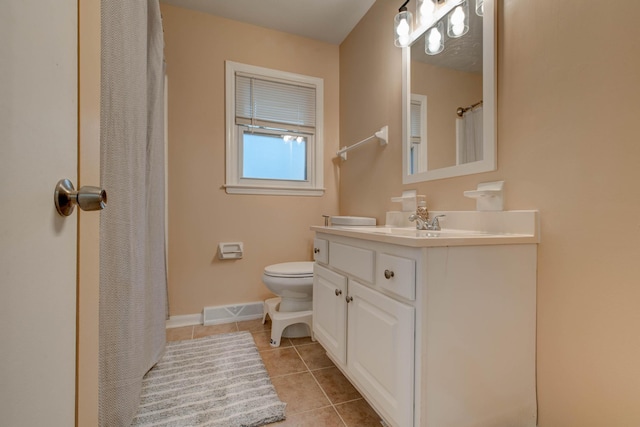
{"x": 87, "y": 198}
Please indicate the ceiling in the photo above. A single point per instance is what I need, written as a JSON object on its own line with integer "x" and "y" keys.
{"x": 463, "y": 54}
{"x": 325, "y": 20}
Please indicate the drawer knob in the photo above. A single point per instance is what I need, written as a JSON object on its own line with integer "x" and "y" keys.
{"x": 338, "y": 292}
{"x": 316, "y": 250}
{"x": 388, "y": 274}
{"x": 348, "y": 299}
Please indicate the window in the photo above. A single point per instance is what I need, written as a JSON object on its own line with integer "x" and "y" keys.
{"x": 274, "y": 132}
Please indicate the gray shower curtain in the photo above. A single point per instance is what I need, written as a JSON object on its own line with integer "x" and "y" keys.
{"x": 133, "y": 293}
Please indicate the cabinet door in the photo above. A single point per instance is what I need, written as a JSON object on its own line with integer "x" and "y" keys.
{"x": 381, "y": 351}
{"x": 330, "y": 311}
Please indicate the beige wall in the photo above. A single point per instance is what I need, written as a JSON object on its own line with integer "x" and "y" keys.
{"x": 201, "y": 215}
{"x": 568, "y": 102}
{"x": 370, "y": 85}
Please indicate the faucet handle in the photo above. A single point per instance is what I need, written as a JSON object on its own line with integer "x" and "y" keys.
{"x": 435, "y": 223}
{"x": 420, "y": 223}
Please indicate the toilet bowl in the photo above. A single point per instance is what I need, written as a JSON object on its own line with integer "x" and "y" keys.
{"x": 291, "y": 311}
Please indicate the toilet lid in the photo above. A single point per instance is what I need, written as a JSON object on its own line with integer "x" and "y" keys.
{"x": 290, "y": 269}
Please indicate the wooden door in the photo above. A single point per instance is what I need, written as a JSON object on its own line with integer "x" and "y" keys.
{"x": 38, "y": 143}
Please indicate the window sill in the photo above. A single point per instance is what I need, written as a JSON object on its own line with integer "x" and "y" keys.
{"x": 273, "y": 191}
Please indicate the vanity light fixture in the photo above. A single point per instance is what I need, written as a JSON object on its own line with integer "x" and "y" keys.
{"x": 403, "y": 26}
{"x": 430, "y": 14}
{"x": 458, "y": 22}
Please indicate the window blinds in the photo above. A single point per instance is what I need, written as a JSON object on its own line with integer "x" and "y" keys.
{"x": 275, "y": 104}
{"x": 416, "y": 123}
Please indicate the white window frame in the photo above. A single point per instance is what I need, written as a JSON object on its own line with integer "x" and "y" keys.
{"x": 235, "y": 184}
{"x": 418, "y": 144}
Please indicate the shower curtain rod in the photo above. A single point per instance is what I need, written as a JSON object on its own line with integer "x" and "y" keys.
{"x": 461, "y": 110}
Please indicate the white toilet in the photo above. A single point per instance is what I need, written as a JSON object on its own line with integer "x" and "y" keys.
{"x": 290, "y": 312}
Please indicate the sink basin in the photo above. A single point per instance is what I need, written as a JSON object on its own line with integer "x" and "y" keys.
{"x": 413, "y": 232}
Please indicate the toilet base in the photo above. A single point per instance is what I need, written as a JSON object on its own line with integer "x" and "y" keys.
{"x": 297, "y": 321}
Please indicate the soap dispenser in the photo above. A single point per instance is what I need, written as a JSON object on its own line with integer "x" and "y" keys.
{"x": 422, "y": 211}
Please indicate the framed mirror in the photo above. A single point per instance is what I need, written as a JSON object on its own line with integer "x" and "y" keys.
{"x": 449, "y": 98}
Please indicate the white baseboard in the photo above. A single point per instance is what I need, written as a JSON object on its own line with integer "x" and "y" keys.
{"x": 218, "y": 315}
{"x": 232, "y": 313}
{"x": 184, "y": 320}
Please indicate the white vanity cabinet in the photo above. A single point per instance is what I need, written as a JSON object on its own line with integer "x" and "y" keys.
{"x": 431, "y": 334}
{"x": 368, "y": 333}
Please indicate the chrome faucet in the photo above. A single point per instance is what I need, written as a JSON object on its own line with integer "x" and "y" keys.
{"x": 421, "y": 224}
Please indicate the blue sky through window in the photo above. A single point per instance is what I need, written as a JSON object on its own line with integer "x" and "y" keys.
{"x": 271, "y": 157}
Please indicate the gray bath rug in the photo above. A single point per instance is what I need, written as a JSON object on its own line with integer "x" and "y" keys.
{"x": 214, "y": 381}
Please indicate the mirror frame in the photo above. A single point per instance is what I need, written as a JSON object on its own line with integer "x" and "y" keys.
{"x": 489, "y": 95}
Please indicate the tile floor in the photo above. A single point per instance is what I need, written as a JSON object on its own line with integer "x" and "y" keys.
{"x": 315, "y": 391}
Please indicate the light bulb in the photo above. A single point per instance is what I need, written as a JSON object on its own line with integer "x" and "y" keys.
{"x": 458, "y": 21}
{"x": 403, "y": 23}
{"x": 434, "y": 42}
{"x": 457, "y": 17}
{"x": 426, "y": 11}
{"x": 403, "y": 28}
{"x": 434, "y": 36}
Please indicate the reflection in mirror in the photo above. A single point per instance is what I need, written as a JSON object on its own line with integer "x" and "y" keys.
{"x": 449, "y": 100}
{"x": 450, "y": 80}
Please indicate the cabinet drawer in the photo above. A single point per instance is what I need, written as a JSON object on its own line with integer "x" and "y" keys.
{"x": 321, "y": 251}
{"x": 355, "y": 261}
{"x": 397, "y": 275}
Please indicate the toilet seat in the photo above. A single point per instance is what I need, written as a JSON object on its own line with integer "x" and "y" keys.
{"x": 299, "y": 269}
